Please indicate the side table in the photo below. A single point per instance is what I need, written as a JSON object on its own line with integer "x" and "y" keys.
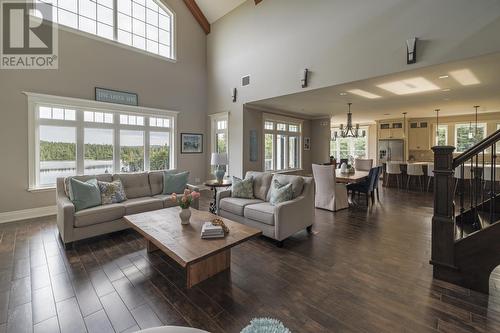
{"x": 214, "y": 185}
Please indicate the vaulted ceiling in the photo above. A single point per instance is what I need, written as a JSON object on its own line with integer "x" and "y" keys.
{"x": 207, "y": 12}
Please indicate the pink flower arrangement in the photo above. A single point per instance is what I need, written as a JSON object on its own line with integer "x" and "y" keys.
{"x": 186, "y": 199}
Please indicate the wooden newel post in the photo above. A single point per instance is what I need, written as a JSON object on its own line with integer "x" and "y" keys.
{"x": 443, "y": 224}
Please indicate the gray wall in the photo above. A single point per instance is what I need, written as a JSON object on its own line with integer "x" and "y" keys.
{"x": 320, "y": 140}
{"x": 86, "y": 63}
{"x": 339, "y": 41}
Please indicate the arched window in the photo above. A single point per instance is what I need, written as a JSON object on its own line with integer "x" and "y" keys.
{"x": 143, "y": 24}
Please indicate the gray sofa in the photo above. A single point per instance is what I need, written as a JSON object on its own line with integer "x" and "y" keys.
{"x": 278, "y": 222}
{"x": 143, "y": 191}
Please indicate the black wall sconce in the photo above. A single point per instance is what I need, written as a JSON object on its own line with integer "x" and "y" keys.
{"x": 234, "y": 95}
{"x": 305, "y": 78}
{"x": 411, "y": 50}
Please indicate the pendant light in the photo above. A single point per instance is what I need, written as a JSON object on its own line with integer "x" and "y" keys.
{"x": 404, "y": 124}
{"x": 437, "y": 125}
{"x": 475, "y": 130}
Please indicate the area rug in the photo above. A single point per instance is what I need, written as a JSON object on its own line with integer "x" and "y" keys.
{"x": 265, "y": 325}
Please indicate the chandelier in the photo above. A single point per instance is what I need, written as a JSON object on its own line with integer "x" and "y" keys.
{"x": 349, "y": 131}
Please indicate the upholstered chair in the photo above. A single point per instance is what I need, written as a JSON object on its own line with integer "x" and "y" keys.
{"x": 330, "y": 195}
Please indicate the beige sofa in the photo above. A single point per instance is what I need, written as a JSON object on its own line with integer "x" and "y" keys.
{"x": 143, "y": 191}
{"x": 278, "y": 222}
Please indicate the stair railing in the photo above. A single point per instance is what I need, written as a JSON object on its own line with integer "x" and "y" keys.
{"x": 468, "y": 174}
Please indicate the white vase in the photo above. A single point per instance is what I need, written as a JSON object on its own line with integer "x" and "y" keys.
{"x": 343, "y": 168}
{"x": 185, "y": 215}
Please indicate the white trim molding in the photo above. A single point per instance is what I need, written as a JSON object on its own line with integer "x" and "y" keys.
{"x": 27, "y": 214}
{"x": 80, "y": 106}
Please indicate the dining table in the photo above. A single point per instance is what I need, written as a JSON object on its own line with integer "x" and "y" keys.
{"x": 349, "y": 178}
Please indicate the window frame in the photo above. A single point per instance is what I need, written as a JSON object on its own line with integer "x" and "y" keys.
{"x": 36, "y": 100}
{"x": 458, "y": 125}
{"x": 276, "y": 119}
{"x": 115, "y": 42}
{"x": 365, "y": 128}
{"x": 214, "y": 118}
{"x": 446, "y": 130}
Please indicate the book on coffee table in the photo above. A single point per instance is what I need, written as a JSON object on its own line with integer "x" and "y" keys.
{"x": 208, "y": 230}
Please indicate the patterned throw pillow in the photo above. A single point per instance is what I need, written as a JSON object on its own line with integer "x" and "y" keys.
{"x": 242, "y": 188}
{"x": 112, "y": 192}
{"x": 280, "y": 192}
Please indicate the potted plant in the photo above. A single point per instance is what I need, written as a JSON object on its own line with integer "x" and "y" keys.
{"x": 185, "y": 201}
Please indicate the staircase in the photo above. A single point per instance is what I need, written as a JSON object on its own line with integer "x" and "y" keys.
{"x": 466, "y": 220}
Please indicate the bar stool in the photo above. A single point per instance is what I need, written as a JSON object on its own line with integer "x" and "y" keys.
{"x": 414, "y": 170}
{"x": 430, "y": 175}
{"x": 393, "y": 169}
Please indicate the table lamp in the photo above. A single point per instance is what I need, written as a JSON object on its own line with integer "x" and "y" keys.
{"x": 219, "y": 160}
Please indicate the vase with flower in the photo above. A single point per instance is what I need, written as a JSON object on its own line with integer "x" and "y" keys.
{"x": 185, "y": 200}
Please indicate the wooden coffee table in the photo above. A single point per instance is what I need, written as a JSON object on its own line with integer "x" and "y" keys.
{"x": 202, "y": 258}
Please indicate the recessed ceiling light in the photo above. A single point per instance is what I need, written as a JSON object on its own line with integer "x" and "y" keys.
{"x": 343, "y": 94}
{"x": 446, "y": 89}
{"x": 444, "y": 77}
{"x": 465, "y": 77}
{"x": 363, "y": 93}
{"x": 409, "y": 86}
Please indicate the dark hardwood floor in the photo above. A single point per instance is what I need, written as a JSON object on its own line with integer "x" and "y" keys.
{"x": 361, "y": 270}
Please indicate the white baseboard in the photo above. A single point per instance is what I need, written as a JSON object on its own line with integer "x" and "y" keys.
{"x": 26, "y": 214}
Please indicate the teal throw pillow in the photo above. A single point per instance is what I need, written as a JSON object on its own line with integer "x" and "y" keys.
{"x": 175, "y": 183}
{"x": 112, "y": 192}
{"x": 85, "y": 194}
{"x": 280, "y": 193}
{"x": 242, "y": 188}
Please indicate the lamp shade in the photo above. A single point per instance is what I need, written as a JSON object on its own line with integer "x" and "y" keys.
{"x": 219, "y": 159}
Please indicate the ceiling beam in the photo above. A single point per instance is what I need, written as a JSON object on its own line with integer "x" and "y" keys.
{"x": 258, "y": 1}
{"x": 198, "y": 15}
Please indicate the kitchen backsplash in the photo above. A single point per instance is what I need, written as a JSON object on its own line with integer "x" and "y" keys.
{"x": 421, "y": 155}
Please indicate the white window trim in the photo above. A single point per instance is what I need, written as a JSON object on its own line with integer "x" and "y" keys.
{"x": 35, "y": 99}
{"x": 484, "y": 125}
{"x": 289, "y": 121}
{"x": 436, "y": 128}
{"x": 213, "y": 123}
{"x": 365, "y": 128}
{"x": 173, "y": 36}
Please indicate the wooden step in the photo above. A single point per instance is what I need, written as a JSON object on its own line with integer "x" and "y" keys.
{"x": 486, "y": 220}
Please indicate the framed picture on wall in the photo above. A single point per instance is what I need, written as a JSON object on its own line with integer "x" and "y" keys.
{"x": 307, "y": 143}
{"x": 191, "y": 143}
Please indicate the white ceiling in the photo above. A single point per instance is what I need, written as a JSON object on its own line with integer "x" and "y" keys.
{"x": 459, "y": 100}
{"x": 215, "y": 9}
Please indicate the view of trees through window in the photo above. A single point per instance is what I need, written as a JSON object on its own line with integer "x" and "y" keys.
{"x": 466, "y": 135}
{"x": 57, "y": 145}
{"x": 343, "y": 148}
{"x": 442, "y": 135}
{"x": 281, "y": 145}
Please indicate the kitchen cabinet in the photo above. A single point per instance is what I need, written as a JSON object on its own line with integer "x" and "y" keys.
{"x": 418, "y": 137}
{"x": 391, "y": 130}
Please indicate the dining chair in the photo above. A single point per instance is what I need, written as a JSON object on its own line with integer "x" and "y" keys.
{"x": 368, "y": 186}
{"x": 330, "y": 195}
{"x": 394, "y": 169}
{"x": 414, "y": 170}
{"x": 487, "y": 175}
{"x": 430, "y": 175}
{"x": 362, "y": 164}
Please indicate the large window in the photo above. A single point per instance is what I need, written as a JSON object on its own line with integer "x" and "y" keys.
{"x": 345, "y": 148}
{"x": 282, "y": 142}
{"x": 74, "y": 137}
{"x": 467, "y": 136}
{"x": 143, "y": 24}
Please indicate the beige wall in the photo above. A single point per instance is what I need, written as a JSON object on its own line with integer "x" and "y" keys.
{"x": 85, "y": 63}
{"x": 339, "y": 41}
{"x": 320, "y": 140}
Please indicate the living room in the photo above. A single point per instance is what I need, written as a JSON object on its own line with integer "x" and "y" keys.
{"x": 129, "y": 124}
